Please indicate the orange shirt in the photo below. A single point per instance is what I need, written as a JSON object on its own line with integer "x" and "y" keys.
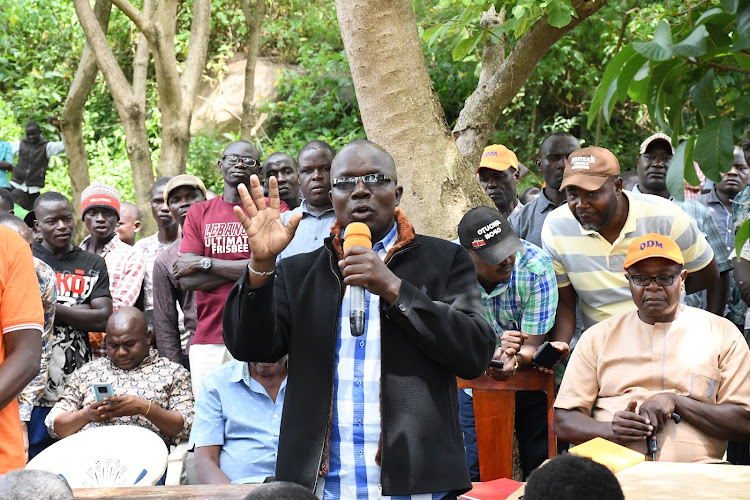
{"x": 20, "y": 309}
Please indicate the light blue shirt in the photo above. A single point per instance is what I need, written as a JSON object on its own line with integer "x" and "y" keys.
{"x": 355, "y": 428}
{"x": 311, "y": 232}
{"x": 234, "y": 411}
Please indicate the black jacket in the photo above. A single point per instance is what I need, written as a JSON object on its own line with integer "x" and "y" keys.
{"x": 434, "y": 331}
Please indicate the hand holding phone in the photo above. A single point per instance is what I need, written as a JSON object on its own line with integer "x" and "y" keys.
{"x": 547, "y": 355}
{"x": 102, "y": 391}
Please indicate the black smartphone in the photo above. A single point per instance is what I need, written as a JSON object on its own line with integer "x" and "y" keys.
{"x": 547, "y": 355}
{"x": 496, "y": 364}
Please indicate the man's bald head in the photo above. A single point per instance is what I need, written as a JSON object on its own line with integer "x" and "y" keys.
{"x": 365, "y": 147}
{"x": 18, "y": 226}
{"x": 127, "y": 318}
{"x": 128, "y": 338}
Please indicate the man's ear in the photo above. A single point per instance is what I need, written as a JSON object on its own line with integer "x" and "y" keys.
{"x": 618, "y": 185}
{"x": 137, "y": 226}
{"x": 538, "y": 163}
{"x": 516, "y": 174}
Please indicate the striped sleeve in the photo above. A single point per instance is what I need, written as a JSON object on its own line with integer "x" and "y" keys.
{"x": 550, "y": 247}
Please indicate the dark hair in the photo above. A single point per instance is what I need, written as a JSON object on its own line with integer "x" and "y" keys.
{"x": 317, "y": 146}
{"x": 560, "y": 133}
{"x": 279, "y": 154}
{"x": 161, "y": 181}
{"x": 6, "y": 197}
{"x": 13, "y": 221}
{"x": 572, "y": 477}
{"x": 526, "y": 194}
{"x": 32, "y": 124}
{"x": 280, "y": 490}
{"x": 50, "y": 196}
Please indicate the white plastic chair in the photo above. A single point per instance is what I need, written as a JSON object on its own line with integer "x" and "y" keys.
{"x": 108, "y": 456}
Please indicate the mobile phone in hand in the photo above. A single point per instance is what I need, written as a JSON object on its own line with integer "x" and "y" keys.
{"x": 102, "y": 391}
{"x": 497, "y": 364}
{"x": 547, "y": 355}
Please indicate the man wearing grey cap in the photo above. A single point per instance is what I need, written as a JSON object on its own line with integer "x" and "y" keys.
{"x": 517, "y": 284}
{"x": 589, "y": 237}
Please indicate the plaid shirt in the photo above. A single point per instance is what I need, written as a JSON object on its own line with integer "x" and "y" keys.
{"x": 126, "y": 267}
{"x": 48, "y": 288}
{"x": 355, "y": 428}
{"x": 528, "y": 300}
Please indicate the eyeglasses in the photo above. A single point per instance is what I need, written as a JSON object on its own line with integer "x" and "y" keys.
{"x": 643, "y": 280}
{"x": 248, "y": 161}
{"x": 370, "y": 180}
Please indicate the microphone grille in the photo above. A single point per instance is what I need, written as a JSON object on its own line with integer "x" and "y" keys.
{"x": 357, "y": 234}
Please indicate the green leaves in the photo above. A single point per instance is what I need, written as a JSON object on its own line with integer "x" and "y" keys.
{"x": 558, "y": 15}
{"x": 704, "y": 97}
{"x": 660, "y": 48}
{"x": 714, "y": 147}
{"x": 694, "y": 45}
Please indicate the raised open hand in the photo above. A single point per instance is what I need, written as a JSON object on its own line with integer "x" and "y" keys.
{"x": 266, "y": 233}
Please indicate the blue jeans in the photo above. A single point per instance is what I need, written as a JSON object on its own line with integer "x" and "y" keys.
{"x": 39, "y": 438}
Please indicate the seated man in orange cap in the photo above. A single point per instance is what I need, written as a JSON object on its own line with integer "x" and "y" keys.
{"x": 631, "y": 372}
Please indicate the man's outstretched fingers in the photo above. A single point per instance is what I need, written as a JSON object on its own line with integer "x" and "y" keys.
{"x": 247, "y": 202}
{"x": 273, "y": 193}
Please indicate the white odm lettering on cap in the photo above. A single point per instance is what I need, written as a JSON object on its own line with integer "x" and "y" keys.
{"x": 582, "y": 162}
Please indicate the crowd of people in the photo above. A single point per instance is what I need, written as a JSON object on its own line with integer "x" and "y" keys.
{"x": 234, "y": 326}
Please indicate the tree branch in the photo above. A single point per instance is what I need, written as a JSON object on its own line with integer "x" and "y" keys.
{"x": 119, "y": 87}
{"x": 197, "y": 48}
{"x": 493, "y": 53}
{"x": 140, "y": 61}
{"x": 72, "y": 114}
{"x": 254, "y": 21}
{"x": 476, "y": 123}
{"x": 139, "y": 19}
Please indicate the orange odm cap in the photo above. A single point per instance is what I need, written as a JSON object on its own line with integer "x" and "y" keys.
{"x": 357, "y": 234}
{"x": 653, "y": 245}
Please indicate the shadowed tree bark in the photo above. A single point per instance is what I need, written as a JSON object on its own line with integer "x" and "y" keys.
{"x": 254, "y": 20}
{"x": 401, "y": 111}
{"x": 72, "y": 118}
{"x": 129, "y": 99}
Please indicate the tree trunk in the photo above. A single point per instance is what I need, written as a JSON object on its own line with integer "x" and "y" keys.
{"x": 253, "y": 20}
{"x": 401, "y": 112}
{"x": 130, "y": 107}
{"x": 72, "y": 119}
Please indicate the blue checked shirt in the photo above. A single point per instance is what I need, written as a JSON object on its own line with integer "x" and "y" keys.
{"x": 528, "y": 300}
{"x": 355, "y": 428}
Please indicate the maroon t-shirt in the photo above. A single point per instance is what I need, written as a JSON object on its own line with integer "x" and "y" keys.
{"x": 212, "y": 230}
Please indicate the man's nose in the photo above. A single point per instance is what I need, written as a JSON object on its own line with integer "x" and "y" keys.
{"x": 317, "y": 174}
{"x": 360, "y": 189}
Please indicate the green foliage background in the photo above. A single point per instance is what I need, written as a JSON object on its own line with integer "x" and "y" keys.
{"x": 43, "y": 40}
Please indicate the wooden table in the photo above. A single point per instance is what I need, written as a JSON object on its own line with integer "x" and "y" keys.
{"x": 673, "y": 481}
{"x": 188, "y": 492}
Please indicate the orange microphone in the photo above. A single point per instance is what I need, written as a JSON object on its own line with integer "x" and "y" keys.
{"x": 357, "y": 234}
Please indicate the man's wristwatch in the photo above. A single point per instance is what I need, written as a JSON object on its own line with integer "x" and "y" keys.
{"x": 206, "y": 264}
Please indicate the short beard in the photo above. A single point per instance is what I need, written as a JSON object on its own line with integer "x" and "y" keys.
{"x": 611, "y": 209}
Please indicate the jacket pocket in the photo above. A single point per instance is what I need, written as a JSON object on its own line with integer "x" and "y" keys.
{"x": 704, "y": 383}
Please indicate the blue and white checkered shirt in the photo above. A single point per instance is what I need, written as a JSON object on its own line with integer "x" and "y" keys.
{"x": 355, "y": 429}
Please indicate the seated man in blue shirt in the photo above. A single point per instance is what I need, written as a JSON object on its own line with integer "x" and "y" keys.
{"x": 237, "y": 422}
{"x": 519, "y": 292}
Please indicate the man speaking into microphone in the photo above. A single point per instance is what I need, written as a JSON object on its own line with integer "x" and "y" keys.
{"x": 375, "y": 415}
